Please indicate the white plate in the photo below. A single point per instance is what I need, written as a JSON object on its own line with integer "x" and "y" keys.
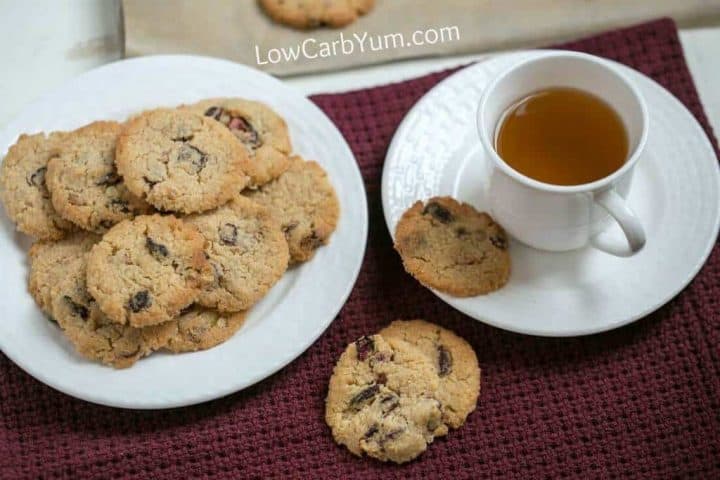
{"x": 436, "y": 151}
{"x": 285, "y": 323}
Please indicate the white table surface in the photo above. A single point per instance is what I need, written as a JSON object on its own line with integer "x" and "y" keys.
{"x": 53, "y": 41}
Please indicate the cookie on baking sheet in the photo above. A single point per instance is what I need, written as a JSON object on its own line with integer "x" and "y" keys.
{"x": 201, "y": 328}
{"x": 305, "y": 202}
{"x": 23, "y": 189}
{"x": 454, "y": 360}
{"x": 262, "y": 131}
{"x": 84, "y": 185}
{"x": 382, "y": 400}
{"x": 180, "y": 161}
{"x": 316, "y": 13}
{"x": 50, "y": 261}
{"x": 93, "y": 335}
{"x": 247, "y": 251}
{"x": 449, "y": 246}
{"x": 145, "y": 271}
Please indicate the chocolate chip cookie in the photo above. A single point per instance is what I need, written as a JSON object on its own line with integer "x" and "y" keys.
{"x": 307, "y": 14}
{"x": 145, "y": 271}
{"x": 247, "y": 251}
{"x": 93, "y": 335}
{"x": 83, "y": 181}
{"x": 305, "y": 202}
{"x": 454, "y": 361}
{"x": 180, "y": 161}
{"x": 23, "y": 189}
{"x": 449, "y": 246}
{"x": 262, "y": 132}
{"x": 50, "y": 261}
{"x": 202, "y": 328}
{"x": 382, "y": 400}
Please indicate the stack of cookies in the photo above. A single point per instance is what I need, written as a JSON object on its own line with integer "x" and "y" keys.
{"x": 160, "y": 233}
{"x": 391, "y": 394}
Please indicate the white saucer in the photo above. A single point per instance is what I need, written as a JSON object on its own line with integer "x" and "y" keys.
{"x": 436, "y": 151}
{"x": 285, "y": 323}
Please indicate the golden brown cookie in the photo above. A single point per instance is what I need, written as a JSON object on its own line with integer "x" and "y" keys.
{"x": 307, "y": 14}
{"x": 305, "y": 202}
{"x": 91, "y": 332}
{"x": 382, "y": 400}
{"x": 201, "y": 328}
{"x": 247, "y": 251}
{"x": 262, "y": 132}
{"x": 23, "y": 188}
{"x": 451, "y": 247}
{"x": 57, "y": 281}
{"x": 49, "y": 262}
{"x": 180, "y": 161}
{"x": 145, "y": 271}
{"x": 454, "y": 360}
{"x": 84, "y": 185}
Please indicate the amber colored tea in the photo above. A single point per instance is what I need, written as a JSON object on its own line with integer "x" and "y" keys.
{"x": 562, "y": 136}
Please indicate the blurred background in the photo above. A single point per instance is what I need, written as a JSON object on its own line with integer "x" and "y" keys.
{"x": 48, "y": 41}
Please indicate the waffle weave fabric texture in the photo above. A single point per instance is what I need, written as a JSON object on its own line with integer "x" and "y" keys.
{"x": 639, "y": 402}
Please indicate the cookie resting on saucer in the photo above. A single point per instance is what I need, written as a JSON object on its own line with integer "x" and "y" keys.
{"x": 451, "y": 247}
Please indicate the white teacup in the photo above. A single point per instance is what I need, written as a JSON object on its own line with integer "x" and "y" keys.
{"x": 556, "y": 217}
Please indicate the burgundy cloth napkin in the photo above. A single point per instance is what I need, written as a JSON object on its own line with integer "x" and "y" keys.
{"x": 641, "y": 401}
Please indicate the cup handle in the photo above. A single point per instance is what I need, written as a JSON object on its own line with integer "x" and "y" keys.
{"x": 634, "y": 232}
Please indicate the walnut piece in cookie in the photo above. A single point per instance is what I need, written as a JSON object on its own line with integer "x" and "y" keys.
{"x": 454, "y": 360}
{"x": 180, "y": 161}
{"x": 382, "y": 400}
{"x": 306, "y": 14}
{"x": 83, "y": 181}
{"x": 23, "y": 187}
{"x": 145, "y": 271}
{"x": 258, "y": 128}
{"x": 305, "y": 202}
{"x": 451, "y": 247}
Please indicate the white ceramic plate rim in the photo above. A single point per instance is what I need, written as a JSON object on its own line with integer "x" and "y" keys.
{"x": 311, "y": 289}
{"x": 461, "y": 304}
